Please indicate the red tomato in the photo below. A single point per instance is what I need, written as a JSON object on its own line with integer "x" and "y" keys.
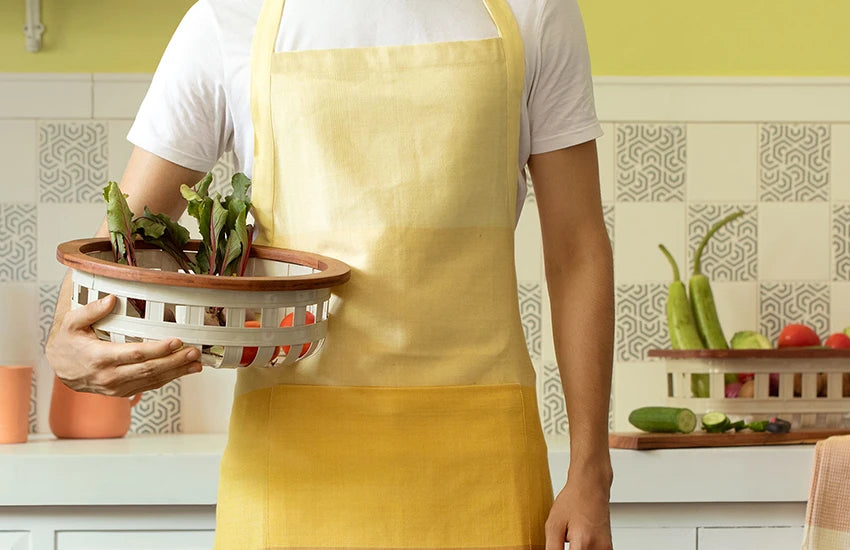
{"x": 289, "y": 320}
{"x": 744, "y": 377}
{"x": 249, "y": 353}
{"x": 796, "y": 336}
{"x": 839, "y": 340}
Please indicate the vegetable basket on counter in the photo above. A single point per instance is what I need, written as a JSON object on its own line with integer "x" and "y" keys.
{"x": 276, "y": 314}
{"x": 809, "y": 387}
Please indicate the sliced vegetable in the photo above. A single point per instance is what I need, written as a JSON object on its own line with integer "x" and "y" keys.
{"x": 715, "y": 422}
{"x": 663, "y": 419}
{"x": 702, "y": 298}
{"x": 749, "y": 339}
{"x": 758, "y": 425}
{"x": 739, "y": 425}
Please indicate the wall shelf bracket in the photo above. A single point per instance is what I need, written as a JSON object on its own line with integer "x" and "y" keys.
{"x": 33, "y": 28}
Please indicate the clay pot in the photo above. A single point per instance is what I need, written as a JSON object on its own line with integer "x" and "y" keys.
{"x": 83, "y": 415}
{"x": 15, "y": 391}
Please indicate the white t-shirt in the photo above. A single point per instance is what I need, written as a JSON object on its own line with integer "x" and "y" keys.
{"x": 198, "y": 103}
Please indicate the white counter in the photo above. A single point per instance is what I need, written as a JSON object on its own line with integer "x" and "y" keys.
{"x": 183, "y": 469}
{"x": 158, "y": 492}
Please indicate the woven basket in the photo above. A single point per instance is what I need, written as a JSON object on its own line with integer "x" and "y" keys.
{"x": 806, "y": 410}
{"x": 279, "y": 283}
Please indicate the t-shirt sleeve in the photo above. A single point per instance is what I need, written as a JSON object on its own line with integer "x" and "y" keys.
{"x": 184, "y": 117}
{"x": 560, "y": 101}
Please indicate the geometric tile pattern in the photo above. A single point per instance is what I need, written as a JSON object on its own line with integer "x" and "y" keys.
{"x": 530, "y": 308}
{"x": 841, "y": 242}
{"x": 784, "y": 303}
{"x": 222, "y": 174}
{"x": 158, "y": 411}
{"x": 651, "y": 162}
{"x": 794, "y": 162}
{"x": 730, "y": 255}
{"x": 72, "y": 161}
{"x": 18, "y": 240}
{"x": 608, "y": 216}
{"x": 641, "y": 320}
{"x": 553, "y": 407}
{"x": 47, "y": 293}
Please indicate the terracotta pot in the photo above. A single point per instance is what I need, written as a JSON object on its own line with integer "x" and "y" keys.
{"x": 83, "y": 415}
{"x": 15, "y": 391}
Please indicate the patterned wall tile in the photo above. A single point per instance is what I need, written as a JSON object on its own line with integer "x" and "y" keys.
{"x": 731, "y": 254}
{"x": 641, "y": 320}
{"x": 841, "y": 242}
{"x": 608, "y": 215}
{"x": 650, "y": 164}
{"x": 18, "y": 239}
{"x": 783, "y": 303}
{"x": 72, "y": 161}
{"x": 47, "y": 293}
{"x": 530, "y": 307}
{"x": 794, "y": 162}
{"x": 158, "y": 411}
{"x": 553, "y": 408}
{"x": 222, "y": 173}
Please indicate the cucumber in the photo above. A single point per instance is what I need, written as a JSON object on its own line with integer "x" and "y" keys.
{"x": 716, "y": 422}
{"x": 758, "y": 425}
{"x": 663, "y": 419}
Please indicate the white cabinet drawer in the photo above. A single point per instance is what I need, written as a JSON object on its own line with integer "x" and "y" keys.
{"x": 134, "y": 540}
{"x": 748, "y": 538}
{"x": 654, "y": 538}
{"x": 14, "y": 540}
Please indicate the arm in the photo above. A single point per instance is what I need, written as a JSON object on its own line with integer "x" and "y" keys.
{"x": 579, "y": 273}
{"x": 79, "y": 358}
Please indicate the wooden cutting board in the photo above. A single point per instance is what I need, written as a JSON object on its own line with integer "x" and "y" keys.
{"x": 642, "y": 441}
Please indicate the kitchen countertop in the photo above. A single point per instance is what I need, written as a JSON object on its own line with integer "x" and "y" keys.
{"x": 182, "y": 469}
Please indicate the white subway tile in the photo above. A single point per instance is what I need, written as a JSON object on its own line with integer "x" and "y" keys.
{"x": 840, "y": 160}
{"x": 19, "y": 332}
{"x": 605, "y": 152}
{"x": 43, "y": 96}
{"x": 839, "y": 306}
{"x": 118, "y": 99}
{"x": 722, "y": 160}
{"x": 18, "y": 161}
{"x": 528, "y": 245}
{"x": 637, "y": 384}
{"x": 737, "y": 306}
{"x": 58, "y": 223}
{"x": 206, "y": 400}
{"x": 638, "y": 228}
{"x": 793, "y": 241}
{"x": 119, "y": 148}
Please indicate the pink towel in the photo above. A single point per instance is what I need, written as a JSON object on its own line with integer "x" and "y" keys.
{"x": 828, "y": 510}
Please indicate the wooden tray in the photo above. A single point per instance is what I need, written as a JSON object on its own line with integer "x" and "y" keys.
{"x": 643, "y": 441}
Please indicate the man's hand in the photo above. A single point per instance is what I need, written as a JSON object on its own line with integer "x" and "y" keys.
{"x": 85, "y": 363}
{"x": 580, "y": 516}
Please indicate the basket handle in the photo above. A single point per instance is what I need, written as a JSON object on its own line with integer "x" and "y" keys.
{"x": 135, "y": 400}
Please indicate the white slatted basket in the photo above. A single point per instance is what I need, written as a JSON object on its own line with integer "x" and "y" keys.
{"x": 278, "y": 284}
{"x": 804, "y": 409}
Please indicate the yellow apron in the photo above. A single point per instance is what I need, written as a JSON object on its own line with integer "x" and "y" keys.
{"x": 416, "y": 425}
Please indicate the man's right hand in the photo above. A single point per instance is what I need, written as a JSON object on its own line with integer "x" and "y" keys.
{"x": 85, "y": 363}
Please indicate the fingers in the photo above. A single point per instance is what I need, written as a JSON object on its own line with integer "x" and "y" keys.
{"x": 556, "y": 530}
{"x": 130, "y": 379}
{"x": 128, "y": 354}
{"x": 83, "y": 317}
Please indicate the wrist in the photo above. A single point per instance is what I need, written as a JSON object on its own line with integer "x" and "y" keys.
{"x": 593, "y": 467}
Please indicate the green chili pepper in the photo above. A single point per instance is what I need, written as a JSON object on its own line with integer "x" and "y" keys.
{"x": 680, "y": 321}
{"x": 702, "y": 299}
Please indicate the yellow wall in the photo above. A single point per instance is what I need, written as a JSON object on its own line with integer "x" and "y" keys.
{"x": 718, "y": 37}
{"x": 90, "y": 35}
{"x": 627, "y": 37}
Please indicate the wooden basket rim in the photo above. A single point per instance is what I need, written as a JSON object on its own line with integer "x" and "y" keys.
{"x": 75, "y": 254}
{"x": 784, "y": 353}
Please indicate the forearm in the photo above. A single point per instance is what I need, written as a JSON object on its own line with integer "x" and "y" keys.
{"x": 581, "y": 295}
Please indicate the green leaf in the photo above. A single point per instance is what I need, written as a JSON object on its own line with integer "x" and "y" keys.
{"x": 238, "y": 199}
{"x": 190, "y": 194}
{"x": 162, "y": 231}
{"x": 119, "y": 220}
{"x": 238, "y": 235}
{"x": 217, "y": 223}
{"x": 203, "y": 186}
